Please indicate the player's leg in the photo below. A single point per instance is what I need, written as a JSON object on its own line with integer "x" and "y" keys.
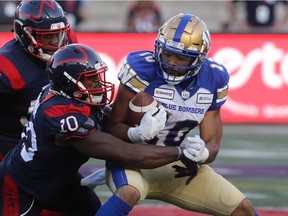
{"x": 129, "y": 194}
{"x": 244, "y": 208}
{"x": 75, "y": 200}
{"x": 79, "y": 200}
{"x": 14, "y": 201}
{"x": 46, "y": 212}
{"x": 4, "y": 148}
{"x": 127, "y": 186}
{"x": 114, "y": 206}
{"x": 207, "y": 193}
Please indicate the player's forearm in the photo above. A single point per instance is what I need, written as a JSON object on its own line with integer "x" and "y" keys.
{"x": 148, "y": 157}
{"x": 213, "y": 149}
{"x": 140, "y": 155}
{"x": 119, "y": 130}
{"x": 107, "y": 147}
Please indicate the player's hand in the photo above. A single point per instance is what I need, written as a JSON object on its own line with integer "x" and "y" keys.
{"x": 151, "y": 124}
{"x": 190, "y": 169}
{"x": 195, "y": 149}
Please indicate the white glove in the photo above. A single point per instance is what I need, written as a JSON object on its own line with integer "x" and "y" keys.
{"x": 151, "y": 124}
{"x": 195, "y": 149}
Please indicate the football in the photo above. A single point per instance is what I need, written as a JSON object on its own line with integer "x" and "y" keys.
{"x": 138, "y": 106}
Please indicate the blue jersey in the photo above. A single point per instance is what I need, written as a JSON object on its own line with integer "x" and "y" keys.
{"x": 187, "y": 102}
{"x": 36, "y": 164}
{"x": 21, "y": 80}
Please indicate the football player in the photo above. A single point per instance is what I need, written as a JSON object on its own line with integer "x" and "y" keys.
{"x": 192, "y": 88}
{"x": 64, "y": 132}
{"x": 40, "y": 28}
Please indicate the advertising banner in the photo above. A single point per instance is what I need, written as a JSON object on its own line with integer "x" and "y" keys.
{"x": 257, "y": 64}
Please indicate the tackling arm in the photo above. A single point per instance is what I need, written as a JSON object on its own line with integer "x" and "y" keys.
{"x": 107, "y": 147}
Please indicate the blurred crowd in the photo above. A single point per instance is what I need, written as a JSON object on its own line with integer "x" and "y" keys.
{"x": 146, "y": 16}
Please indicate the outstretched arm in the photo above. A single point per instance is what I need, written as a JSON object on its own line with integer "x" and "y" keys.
{"x": 107, "y": 147}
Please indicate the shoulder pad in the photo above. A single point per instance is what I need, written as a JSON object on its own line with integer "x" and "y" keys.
{"x": 81, "y": 132}
{"x": 137, "y": 68}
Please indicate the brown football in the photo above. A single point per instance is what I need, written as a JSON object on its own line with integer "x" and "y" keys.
{"x": 138, "y": 106}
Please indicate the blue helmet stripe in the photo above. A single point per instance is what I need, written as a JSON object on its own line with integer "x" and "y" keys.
{"x": 181, "y": 27}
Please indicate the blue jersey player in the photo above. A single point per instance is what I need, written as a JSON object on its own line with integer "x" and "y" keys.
{"x": 40, "y": 28}
{"x": 192, "y": 88}
{"x": 64, "y": 132}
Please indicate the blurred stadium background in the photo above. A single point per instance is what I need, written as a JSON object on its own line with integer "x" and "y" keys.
{"x": 109, "y": 16}
{"x": 254, "y": 157}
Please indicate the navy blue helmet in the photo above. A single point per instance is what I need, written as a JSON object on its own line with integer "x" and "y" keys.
{"x": 41, "y": 27}
{"x": 77, "y": 71}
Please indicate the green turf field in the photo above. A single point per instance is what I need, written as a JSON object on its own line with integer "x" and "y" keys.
{"x": 263, "y": 152}
{"x": 254, "y": 158}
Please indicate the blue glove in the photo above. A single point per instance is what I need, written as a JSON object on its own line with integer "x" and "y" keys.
{"x": 190, "y": 169}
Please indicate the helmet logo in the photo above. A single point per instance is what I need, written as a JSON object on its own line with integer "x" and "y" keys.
{"x": 100, "y": 65}
{"x": 175, "y": 44}
{"x": 49, "y": 4}
{"x": 56, "y": 26}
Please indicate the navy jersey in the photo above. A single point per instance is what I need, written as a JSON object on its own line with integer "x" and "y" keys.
{"x": 36, "y": 164}
{"x": 22, "y": 77}
{"x": 21, "y": 80}
{"x": 187, "y": 102}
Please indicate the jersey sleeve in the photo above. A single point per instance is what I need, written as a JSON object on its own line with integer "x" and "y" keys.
{"x": 10, "y": 77}
{"x": 70, "y": 121}
{"x": 221, "y": 80}
{"x": 137, "y": 68}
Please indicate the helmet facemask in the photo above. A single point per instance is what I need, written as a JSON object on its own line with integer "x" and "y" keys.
{"x": 45, "y": 42}
{"x": 41, "y": 27}
{"x": 174, "y": 74}
{"x": 91, "y": 86}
